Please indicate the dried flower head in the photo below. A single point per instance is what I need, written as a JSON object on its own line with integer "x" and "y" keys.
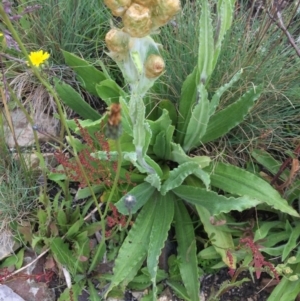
{"x": 148, "y": 3}
{"x": 117, "y": 41}
{"x": 137, "y": 20}
{"x": 113, "y": 129}
{"x": 154, "y": 66}
{"x": 38, "y": 58}
{"x": 114, "y": 114}
{"x": 164, "y": 11}
{"x": 118, "y": 7}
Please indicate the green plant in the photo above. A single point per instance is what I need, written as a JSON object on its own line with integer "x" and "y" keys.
{"x": 159, "y": 149}
{"x": 173, "y": 184}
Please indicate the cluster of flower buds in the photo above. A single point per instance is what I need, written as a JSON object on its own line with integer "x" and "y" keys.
{"x": 132, "y": 47}
{"x": 140, "y": 17}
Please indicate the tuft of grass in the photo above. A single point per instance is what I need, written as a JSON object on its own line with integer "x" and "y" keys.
{"x": 75, "y": 26}
{"x": 17, "y": 194}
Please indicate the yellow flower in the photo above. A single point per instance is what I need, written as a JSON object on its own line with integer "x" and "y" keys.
{"x": 38, "y": 57}
{"x": 1, "y": 34}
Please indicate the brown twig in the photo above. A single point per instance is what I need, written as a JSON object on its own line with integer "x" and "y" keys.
{"x": 279, "y": 22}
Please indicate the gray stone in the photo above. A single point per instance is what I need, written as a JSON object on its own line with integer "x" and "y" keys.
{"x": 30, "y": 290}
{"x": 7, "y": 244}
{"x": 7, "y": 294}
{"x": 24, "y": 132}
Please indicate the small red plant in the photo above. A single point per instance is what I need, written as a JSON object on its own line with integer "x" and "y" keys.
{"x": 97, "y": 171}
{"x": 40, "y": 277}
{"x": 258, "y": 261}
{"x": 114, "y": 219}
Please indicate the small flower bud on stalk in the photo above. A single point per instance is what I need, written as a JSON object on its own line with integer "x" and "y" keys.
{"x": 154, "y": 66}
{"x": 117, "y": 42}
{"x": 164, "y": 12}
{"x": 137, "y": 21}
{"x": 118, "y": 7}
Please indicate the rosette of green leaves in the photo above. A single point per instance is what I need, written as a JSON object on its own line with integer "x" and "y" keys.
{"x": 159, "y": 148}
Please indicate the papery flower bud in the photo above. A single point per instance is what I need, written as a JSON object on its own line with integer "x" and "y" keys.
{"x": 164, "y": 12}
{"x": 169, "y": 7}
{"x": 117, "y": 41}
{"x": 148, "y": 3}
{"x": 154, "y": 66}
{"x": 118, "y": 7}
{"x": 137, "y": 21}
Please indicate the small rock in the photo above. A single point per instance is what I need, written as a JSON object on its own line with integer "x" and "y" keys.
{"x": 7, "y": 244}
{"x": 30, "y": 290}
{"x": 26, "y": 287}
{"x": 23, "y": 129}
{"x": 7, "y": 293}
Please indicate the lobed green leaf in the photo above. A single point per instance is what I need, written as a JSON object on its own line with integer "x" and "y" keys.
{"x": 187, "y": 251}
{"x": 221, "y": 240}
{"x": 222, "y": 122}
{"x": 73, "y": 100}
{"x": 238, "y": 181}
{"x": 178, "y": 175}
{"x": 134, "y": 249}
{"x": 163, "y": 217}
{"x": 213, "y": 202}
{"x": 206, "y": 45}
{"x": 198, "y": 122}
{"x": 88, "y": 75}
{"x": 142, "y": 193}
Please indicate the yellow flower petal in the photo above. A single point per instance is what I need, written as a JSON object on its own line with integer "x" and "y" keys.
{"x": 38, "y": 57}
